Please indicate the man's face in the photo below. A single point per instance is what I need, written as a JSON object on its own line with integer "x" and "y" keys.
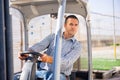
{"x": 71, "y": 26}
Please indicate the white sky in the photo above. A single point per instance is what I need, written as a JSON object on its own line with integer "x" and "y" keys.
{"x": 103, "y": 23}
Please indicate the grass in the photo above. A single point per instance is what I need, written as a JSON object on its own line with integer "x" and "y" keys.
{"x": 105, "y": 64}
{"x": 98, "y": 63}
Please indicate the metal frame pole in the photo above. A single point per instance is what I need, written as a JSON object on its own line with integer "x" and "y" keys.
{"x": 58, "y": 40}
{"x": 114, "y": 34}
{"x": 9, "y": 46}
{"x": 89, "y": 50}
{"x": 89, "y": 44}
{"x": 26, "y": 34}
{"x": 2, "y": 43}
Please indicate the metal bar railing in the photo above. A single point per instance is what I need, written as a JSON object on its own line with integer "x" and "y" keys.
{"x": 58, "y": 40}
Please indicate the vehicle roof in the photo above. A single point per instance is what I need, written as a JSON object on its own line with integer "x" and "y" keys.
{"x": 34, "y": 8}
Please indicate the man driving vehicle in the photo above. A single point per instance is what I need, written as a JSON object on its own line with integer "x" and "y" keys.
{"x": 70, "y": 51}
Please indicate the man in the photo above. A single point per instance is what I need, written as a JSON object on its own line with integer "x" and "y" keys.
{"x": 70, "y": 48}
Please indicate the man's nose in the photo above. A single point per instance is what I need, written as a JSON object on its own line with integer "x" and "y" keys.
{"x": 73, "y": 26}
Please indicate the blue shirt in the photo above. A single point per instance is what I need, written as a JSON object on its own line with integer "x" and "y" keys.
{"x": 70, "y": 51}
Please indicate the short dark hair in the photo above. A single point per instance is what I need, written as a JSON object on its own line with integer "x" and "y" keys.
{"x": 70, "y": 16}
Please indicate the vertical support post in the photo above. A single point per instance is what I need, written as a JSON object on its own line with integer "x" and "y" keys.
{"x": 21, "y": 39}
{"x": 58, "y": 40}
{"x": 89, "y": 50}
{"x": 114, "y": 36}
{"x": 9, "y": 46}
{"x": 2, "y": 43}
{"x": 26, "y": 33}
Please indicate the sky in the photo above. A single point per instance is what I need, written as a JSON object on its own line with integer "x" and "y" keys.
{"x": 102, "y": 16}
{"x": 105, "y": 6}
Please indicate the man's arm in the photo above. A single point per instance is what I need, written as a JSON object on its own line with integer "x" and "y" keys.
{"x": 46, "y": 58}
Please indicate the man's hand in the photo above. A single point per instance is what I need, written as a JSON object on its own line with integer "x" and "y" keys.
{"x": 46, "y": 58}
{"x": 23, "y": 56}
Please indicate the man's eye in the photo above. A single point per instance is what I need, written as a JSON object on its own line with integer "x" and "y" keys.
{"x": 76, "y": 24}
{"x": 71, "y": 24}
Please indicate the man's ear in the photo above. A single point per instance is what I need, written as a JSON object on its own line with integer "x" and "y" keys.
{"x": 64, "y": 25}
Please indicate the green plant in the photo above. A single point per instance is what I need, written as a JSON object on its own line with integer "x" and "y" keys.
{"x": 105, "y": 64}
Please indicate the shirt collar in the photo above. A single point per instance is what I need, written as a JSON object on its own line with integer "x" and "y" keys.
{"x": 72, "y": 38}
